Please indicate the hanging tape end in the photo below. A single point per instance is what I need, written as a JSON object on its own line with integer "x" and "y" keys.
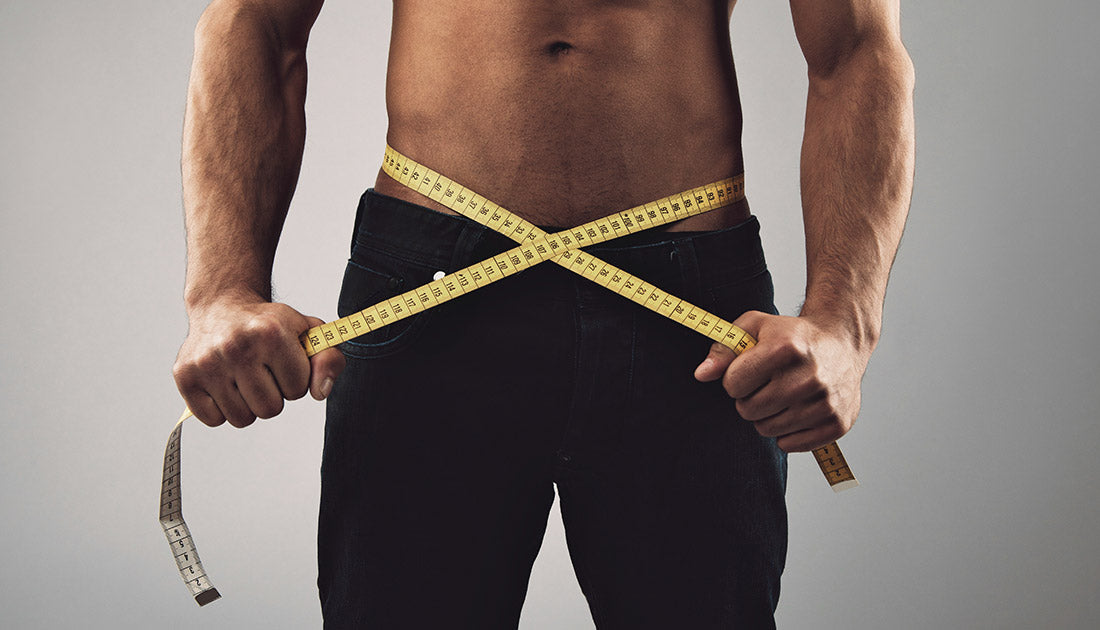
{"x": 847, "y": 484}
{"x": 207, "y": 596}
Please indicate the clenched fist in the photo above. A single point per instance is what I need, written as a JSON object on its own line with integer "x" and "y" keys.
{"x": 242, "y": 359}
{"x": 800, "y": 383}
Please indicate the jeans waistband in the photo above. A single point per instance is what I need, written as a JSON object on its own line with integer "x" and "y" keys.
{"x": 412, "y": 231}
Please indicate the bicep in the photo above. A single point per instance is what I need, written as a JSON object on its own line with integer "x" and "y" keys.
{"x": 828, "y": 31}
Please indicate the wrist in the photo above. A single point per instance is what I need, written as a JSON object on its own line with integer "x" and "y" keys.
{"x": 861, "y": 330}
{"x": 201, "y": 300}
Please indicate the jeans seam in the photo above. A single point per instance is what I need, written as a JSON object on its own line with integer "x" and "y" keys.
{"x": 633, "y": 354}
{"x": 571, "y": 417}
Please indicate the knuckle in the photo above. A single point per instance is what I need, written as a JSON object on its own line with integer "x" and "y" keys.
{"x": 809, "y": 389}
{"x": 236, "y": 348}
{"x": 729, "y": 385}
{"x": 296, "y": 389}
{"x": 293, "y": 381}
{"x": 204, "y": 409}
{"x": 745, "y": 410}
{"x": 816, "y": 387}
{"x": 207, "y": 362}
{"x": 210, "y": 419}
{"x": 785, "y": 352}
{"x": 832, "y": 432}
{"x": 834, "y": 423}
{"x": 265, "y": 329}
{"x": 827, "y": 413}
{"x": 242, "y": 420}
{"x": 269, "y": 408}
{"x": 184, "y": 375}
{"x": 792, "y": 349}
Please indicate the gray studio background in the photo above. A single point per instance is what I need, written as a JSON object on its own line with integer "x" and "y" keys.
{"x": 977, "y": 443}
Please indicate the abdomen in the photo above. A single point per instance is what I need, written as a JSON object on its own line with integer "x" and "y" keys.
{"x": 564, "y": 112}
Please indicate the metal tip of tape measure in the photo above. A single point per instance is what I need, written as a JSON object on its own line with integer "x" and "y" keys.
{"x": 845, "y": 485}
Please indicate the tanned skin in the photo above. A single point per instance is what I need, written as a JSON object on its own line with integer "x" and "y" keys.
{"x": 562, "y": 112}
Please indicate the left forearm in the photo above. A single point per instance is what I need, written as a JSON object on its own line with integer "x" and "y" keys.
{"x": 801, "y": 382}
{"x": 857, "y": 179}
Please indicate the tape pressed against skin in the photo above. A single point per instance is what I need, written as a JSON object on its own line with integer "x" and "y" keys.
{"x": 535, "y": 247}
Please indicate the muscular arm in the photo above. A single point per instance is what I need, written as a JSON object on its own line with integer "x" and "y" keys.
{"x": 244, "y": 133}
{"x": 242, "y": 145}
{"x": 801, "y": 383}
{"x": 857, "y": 157}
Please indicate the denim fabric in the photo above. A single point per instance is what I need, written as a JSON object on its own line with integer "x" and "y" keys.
{"x": 448, "y": 432}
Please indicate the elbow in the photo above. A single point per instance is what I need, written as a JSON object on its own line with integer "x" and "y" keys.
{"x": 883, "y": 61}
{"x": 227, "y": 22}
{"x": 897, "y": 62}
{"x": 286, "y": 25}
{"x": 221, "y": 17}
{"x": 231, "y": 31}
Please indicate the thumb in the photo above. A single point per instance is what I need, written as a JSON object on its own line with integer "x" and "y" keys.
{"x": 324, "y": 367}
{"x": 714, "y": 366}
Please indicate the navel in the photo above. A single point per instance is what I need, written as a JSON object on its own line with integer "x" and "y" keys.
{"x": 559, "y": 48}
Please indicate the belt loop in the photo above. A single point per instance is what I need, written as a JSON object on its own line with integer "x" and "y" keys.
{"x": 683, "y": 253}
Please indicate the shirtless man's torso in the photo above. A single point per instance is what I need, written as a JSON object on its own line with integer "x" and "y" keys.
{"x": 562, "y": 112}
{"x": 567, "y": 111}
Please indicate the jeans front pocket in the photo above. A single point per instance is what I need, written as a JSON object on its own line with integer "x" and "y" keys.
{"x": 373, "y": 276}
{"x": 753, "y": 292}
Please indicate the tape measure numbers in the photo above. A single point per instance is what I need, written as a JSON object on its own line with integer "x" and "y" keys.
{"x": 175, "y": 528}
{"x": 535, "y": 247}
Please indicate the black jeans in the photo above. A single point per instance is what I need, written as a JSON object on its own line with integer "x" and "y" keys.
{"x": 448, "y": 432}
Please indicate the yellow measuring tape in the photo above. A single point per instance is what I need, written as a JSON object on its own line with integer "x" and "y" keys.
{"x": 535, "y": 247}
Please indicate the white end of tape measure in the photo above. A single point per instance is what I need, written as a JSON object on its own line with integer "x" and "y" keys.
{"x": 847, "y": 484}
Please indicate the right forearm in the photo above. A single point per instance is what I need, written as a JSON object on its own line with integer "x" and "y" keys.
{"x": 242, "y": 149}
{"x": 244, "y": 133}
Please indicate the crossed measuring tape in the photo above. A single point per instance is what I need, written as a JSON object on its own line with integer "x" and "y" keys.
{"x": 535, "y": 247}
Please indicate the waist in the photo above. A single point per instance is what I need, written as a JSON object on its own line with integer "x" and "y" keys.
{"x": 418, "y": 234}
{"x": 574, "y": 170}
{"x": 553, "y": 218}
